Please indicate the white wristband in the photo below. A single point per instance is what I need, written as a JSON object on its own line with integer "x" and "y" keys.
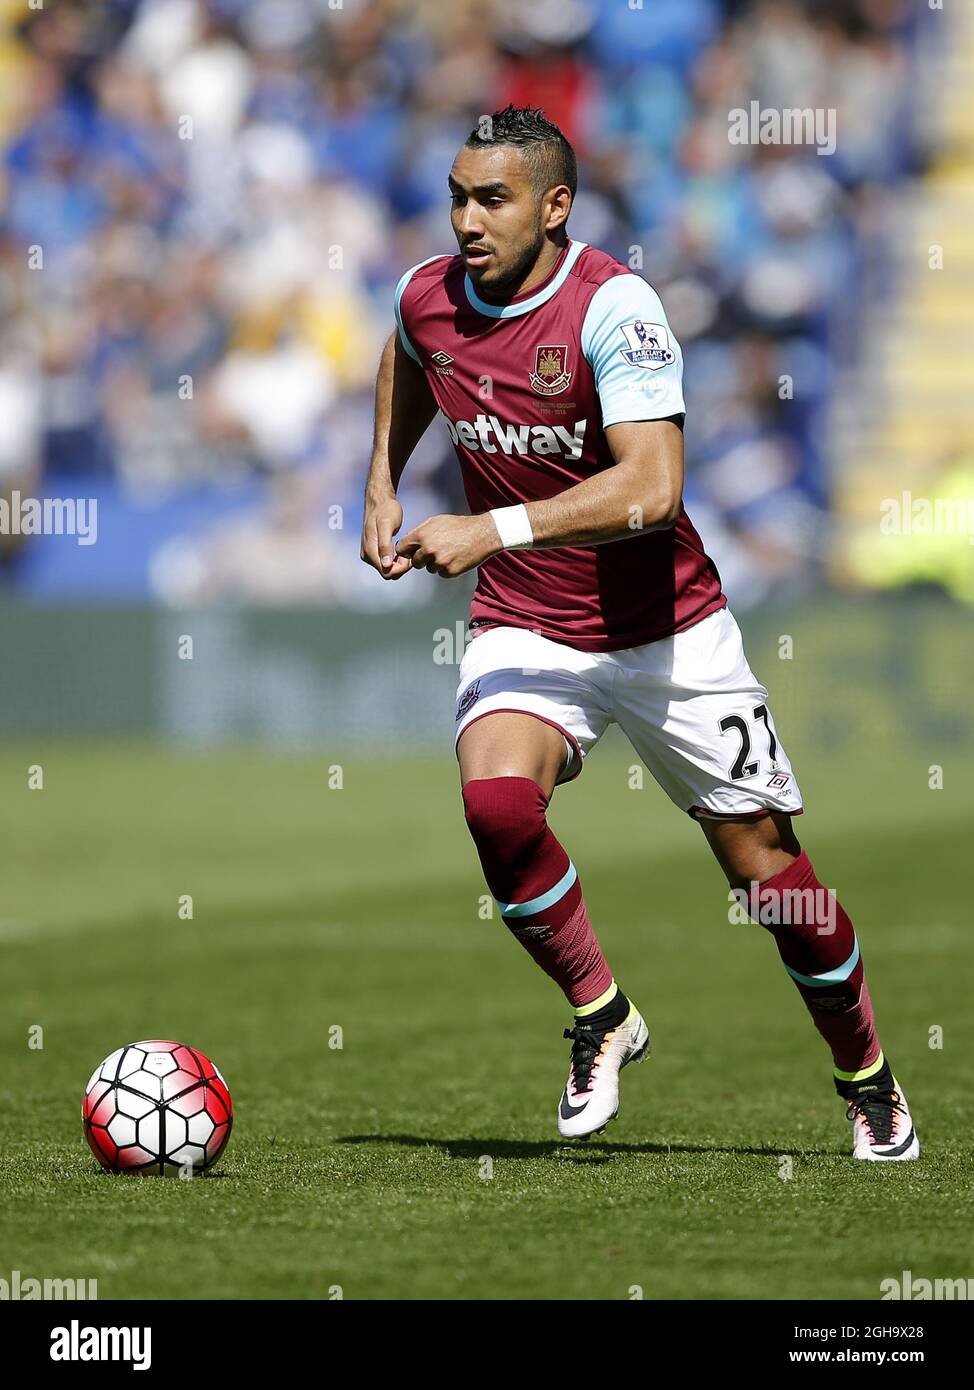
{"x": 513, "y": 526}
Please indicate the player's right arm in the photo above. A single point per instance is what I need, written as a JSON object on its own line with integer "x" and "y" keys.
{"x": 404, "y": 407}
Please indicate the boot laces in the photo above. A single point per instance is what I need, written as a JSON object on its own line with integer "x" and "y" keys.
{"x": 878, "y": 1109}
{"x": 586, "y": 1047}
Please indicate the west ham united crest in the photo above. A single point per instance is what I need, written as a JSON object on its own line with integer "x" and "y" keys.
{"x": 468, "y": 699}
{"x": 549, "y": 376}
{"x": 649, "y": 345}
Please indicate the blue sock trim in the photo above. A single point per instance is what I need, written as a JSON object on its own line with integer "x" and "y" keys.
{"x": 544, "y": 900}
{"x": 830, "y": 977}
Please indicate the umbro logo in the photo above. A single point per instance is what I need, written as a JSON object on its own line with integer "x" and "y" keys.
{"x": 442, "y": 362}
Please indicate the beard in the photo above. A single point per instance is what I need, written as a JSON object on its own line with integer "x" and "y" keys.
{"x": 508, "y": 281}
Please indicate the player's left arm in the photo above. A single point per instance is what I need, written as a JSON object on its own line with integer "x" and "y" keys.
{"x": 638, "y": 371}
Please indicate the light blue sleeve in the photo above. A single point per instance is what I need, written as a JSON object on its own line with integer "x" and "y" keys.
{"x": 400, "y": 291}
{"x": 636, "y": 360}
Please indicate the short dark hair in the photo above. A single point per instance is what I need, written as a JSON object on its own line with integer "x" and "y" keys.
{"x": 549, "y": 155}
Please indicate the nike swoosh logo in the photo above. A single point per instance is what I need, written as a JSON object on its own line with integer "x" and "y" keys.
{"x": 899, "y": 1149}
{"x": 569, "y": 1111}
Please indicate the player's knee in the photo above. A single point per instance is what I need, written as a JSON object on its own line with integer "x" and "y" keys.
{"x": 753, "y": 851}
{"x": 505, "y": 813}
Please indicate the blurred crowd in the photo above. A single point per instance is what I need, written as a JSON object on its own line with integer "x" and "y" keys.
{"x": 205, "y": 206}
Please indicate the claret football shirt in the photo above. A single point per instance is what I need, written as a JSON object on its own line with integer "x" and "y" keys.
{"x": 527, "y": 388}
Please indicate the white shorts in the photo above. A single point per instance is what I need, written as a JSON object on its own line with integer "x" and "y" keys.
{"x": 689, "y": 705}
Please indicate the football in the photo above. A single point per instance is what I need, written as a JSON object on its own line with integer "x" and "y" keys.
{"x": 157, "y": 1107}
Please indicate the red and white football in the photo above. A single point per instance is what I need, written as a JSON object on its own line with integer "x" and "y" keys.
{"x": 157, "y": 1107}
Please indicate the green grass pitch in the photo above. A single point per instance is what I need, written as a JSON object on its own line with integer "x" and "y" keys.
{"x": 420, "y": 1159}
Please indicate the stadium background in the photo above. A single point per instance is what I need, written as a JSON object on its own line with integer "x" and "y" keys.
{"x": 223, "y": 196}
